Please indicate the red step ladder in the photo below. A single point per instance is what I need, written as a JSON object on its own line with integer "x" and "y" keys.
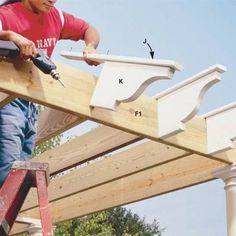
{"x": 22, "y": 177}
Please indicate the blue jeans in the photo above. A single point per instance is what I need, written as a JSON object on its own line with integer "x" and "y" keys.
{"x": 18, "y": 121}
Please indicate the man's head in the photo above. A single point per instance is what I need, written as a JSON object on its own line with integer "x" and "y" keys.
{"x": 38, "y": 6}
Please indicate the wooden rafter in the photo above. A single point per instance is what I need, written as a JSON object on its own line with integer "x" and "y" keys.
{"x": 93, "y": 144}
{"x": 5, "y": 99}
{"x": 25, "y": 82}
{"x": 126, "y": 163}
{"x": 172, "y": 159}
{"x": 154, "y": 181}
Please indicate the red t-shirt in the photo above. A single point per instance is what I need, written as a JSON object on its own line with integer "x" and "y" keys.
{"x": 43, "y": 29}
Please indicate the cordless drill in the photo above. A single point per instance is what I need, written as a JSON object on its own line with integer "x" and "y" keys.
{"x": 41, "y": 60}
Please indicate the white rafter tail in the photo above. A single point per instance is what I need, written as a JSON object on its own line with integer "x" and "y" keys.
{"x": 124, "y": 79}
{"x": 221, "y": 129}
{"x": 181, "y": 103}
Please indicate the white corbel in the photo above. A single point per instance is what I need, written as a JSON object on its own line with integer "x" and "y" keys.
{"x": 123, "y": 79}
{"x": 221, "y": 128}
{"x": 180, "y": 103}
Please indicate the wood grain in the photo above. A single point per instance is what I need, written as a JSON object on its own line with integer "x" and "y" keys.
{"x": 53, "y": 122}
{"x": 27, "y": 82}
{"x": 160, "y": 179}
{"x": 128, "y": 162}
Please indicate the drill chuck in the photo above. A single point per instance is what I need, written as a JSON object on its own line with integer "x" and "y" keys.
{"x": 55, "y": 75}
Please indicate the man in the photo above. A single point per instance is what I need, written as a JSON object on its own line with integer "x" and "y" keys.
{"x": 33, "y": 24}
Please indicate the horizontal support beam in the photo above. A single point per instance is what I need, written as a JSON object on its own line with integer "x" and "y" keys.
{"x": 94, "y": 143}
{"x": 51, "y": 122}
{"x": 158, "y": 180}
{"x": 24, "y": 80}
{"x": 229, "y": 155}
{"x": 128, "y": 162}
{"x": 5, "y": 99}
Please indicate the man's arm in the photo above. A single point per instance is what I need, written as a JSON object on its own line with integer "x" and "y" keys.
{"x": 4, "y": 35}
{"x": 27, "y": 47}
{"x": 91, "y": 39}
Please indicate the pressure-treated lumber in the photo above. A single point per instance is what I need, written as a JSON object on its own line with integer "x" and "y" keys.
{"x": 5, "y": 99}
{"x": 75, "y": 97}
{"x": 25, "y": 82}
{"x": 161, "y": 179}
{"x": 53, "y": 122}
{"x": 97, "y": 142}
{"x": 229, "y": 155}
{"x": 128, "y": 162}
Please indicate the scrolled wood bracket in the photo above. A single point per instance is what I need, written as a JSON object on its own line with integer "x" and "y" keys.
{"x": 179, "y": 104}
{"x": 124, "y": 79}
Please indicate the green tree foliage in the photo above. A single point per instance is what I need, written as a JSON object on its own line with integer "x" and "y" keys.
{"x": 49, "y": 144}
{"x": 95, "y": 224}
{"x": 115, "y": 222}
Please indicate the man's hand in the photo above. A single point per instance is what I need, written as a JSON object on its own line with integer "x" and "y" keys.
{"x": 88, "y": 50}
{"x": 27, "y": 47}
{"x": 91, "y": 39}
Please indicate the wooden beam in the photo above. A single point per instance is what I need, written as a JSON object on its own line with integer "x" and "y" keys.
{"x": 229, "y": 155}
{"x": 160, "y": 179}
{"x": 24, "y": 81}
{"x": 73, "y": 99}
{"x": 95, "y": 143}
{"x": 128, "y": 162}
{"x": 53, "y": 122}
{"x": 5, "y": 99}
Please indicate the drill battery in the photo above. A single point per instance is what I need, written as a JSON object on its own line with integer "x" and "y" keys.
{"x": 8, "y": 49}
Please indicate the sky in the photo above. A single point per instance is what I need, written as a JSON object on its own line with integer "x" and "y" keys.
{"x": 196, "y": 34}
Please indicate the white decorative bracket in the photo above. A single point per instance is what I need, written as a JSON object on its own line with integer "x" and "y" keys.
{"x": 180, "y": 103}
{"x": 123, "y": 79}
{"x": 221, "y": 128}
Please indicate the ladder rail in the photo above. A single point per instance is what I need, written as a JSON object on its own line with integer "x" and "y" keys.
{"x": 23, "y": 176}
